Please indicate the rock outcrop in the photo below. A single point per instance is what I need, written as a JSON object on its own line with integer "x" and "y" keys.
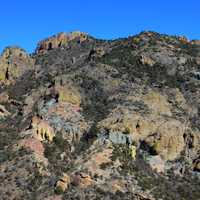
{"x": 63, "y": 183}
{"x": 14, "y": 62}
{"x": 68, "y": 94}
{"x": 3, "y": 111}
{"x": 60, "y": 40}
{"x": 42, "y": 129}
{"x": 85, "y": 118}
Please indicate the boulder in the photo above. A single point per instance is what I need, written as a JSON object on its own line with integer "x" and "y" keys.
{"x": 146, "y": 60}
{"x": 63, "y": 183}
{"x": 82, "y": 180}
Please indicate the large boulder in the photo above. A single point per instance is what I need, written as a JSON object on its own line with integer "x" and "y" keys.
{"x": 63, "y": 183}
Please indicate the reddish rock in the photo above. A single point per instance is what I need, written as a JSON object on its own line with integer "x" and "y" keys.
{"x": 59, "y": 40}
{"x": 81, "y": 180}
{"x": 63, "y": 183}
{"x": 34, "y": 145}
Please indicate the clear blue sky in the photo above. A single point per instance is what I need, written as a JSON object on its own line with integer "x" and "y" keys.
{"x": 25, "y": 22}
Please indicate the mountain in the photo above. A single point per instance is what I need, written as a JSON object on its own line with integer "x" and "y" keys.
{"x": 85, "y": 118}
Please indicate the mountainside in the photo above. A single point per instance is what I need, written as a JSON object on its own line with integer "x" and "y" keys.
{"x": 84, "y": 118}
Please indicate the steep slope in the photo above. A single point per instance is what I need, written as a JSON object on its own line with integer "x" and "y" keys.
{"x": 84, "y": 118}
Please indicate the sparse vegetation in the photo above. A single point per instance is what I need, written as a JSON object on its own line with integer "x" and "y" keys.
{"x": 103, "y": 86}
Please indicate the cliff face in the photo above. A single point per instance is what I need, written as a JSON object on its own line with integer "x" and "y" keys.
{"x": 84, "y": 118}
{"x": 60, "y": 40}
{"x": 14, "y": 62}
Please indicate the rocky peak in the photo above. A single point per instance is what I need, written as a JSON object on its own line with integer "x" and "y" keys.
{"x": 86, "y": 118}
{"x": 60, "y": 40}
{"x": 14, "y": 51}
{"x": 14, "y": 61}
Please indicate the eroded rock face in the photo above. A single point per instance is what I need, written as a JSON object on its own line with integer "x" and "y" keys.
{"x": 157, "y": 102}
{"x": 65, "y": 118}
{"x": 42, "y": 129}
{"x": 14, "y": 62}
{"x": 113, "y": 119}
{"x": 126, "y": 126}
{"x": 68, "y": 94}
{"x": 171, "y": 142}
{"x": 60, "y": 40}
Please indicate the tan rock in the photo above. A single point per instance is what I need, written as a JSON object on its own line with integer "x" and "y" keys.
{"x": 118, "y": 185}
{"x": 195, "y": 42}
{"x": 198, "y": 59}
{"x": 196, "y": 141}
{"x": 3, "y": 111}
{"x": 69, "y": 94}
{"x": 183, "y": 39}
{"x": 145, "y": 60}
{"x": 96, "y": 53}
{"x": 132, "y": 123}
{"x": 196, "y": 165}
{"x": 82, "y": 180}
{"x": 63, "y": 183}
{"x": 171, "y": 142}
{"x": 13, "y": 63}
{"x": 157, "y": 102}
{"x": 60, "y": 40}
{"x": 180, "y": 99}
{"x": 165, "y": 135}
{"x": 156, "y": 163}
{"x": 42, "y": 129}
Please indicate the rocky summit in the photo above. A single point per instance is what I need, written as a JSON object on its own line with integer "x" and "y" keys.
{"x": 85, "y": 118}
